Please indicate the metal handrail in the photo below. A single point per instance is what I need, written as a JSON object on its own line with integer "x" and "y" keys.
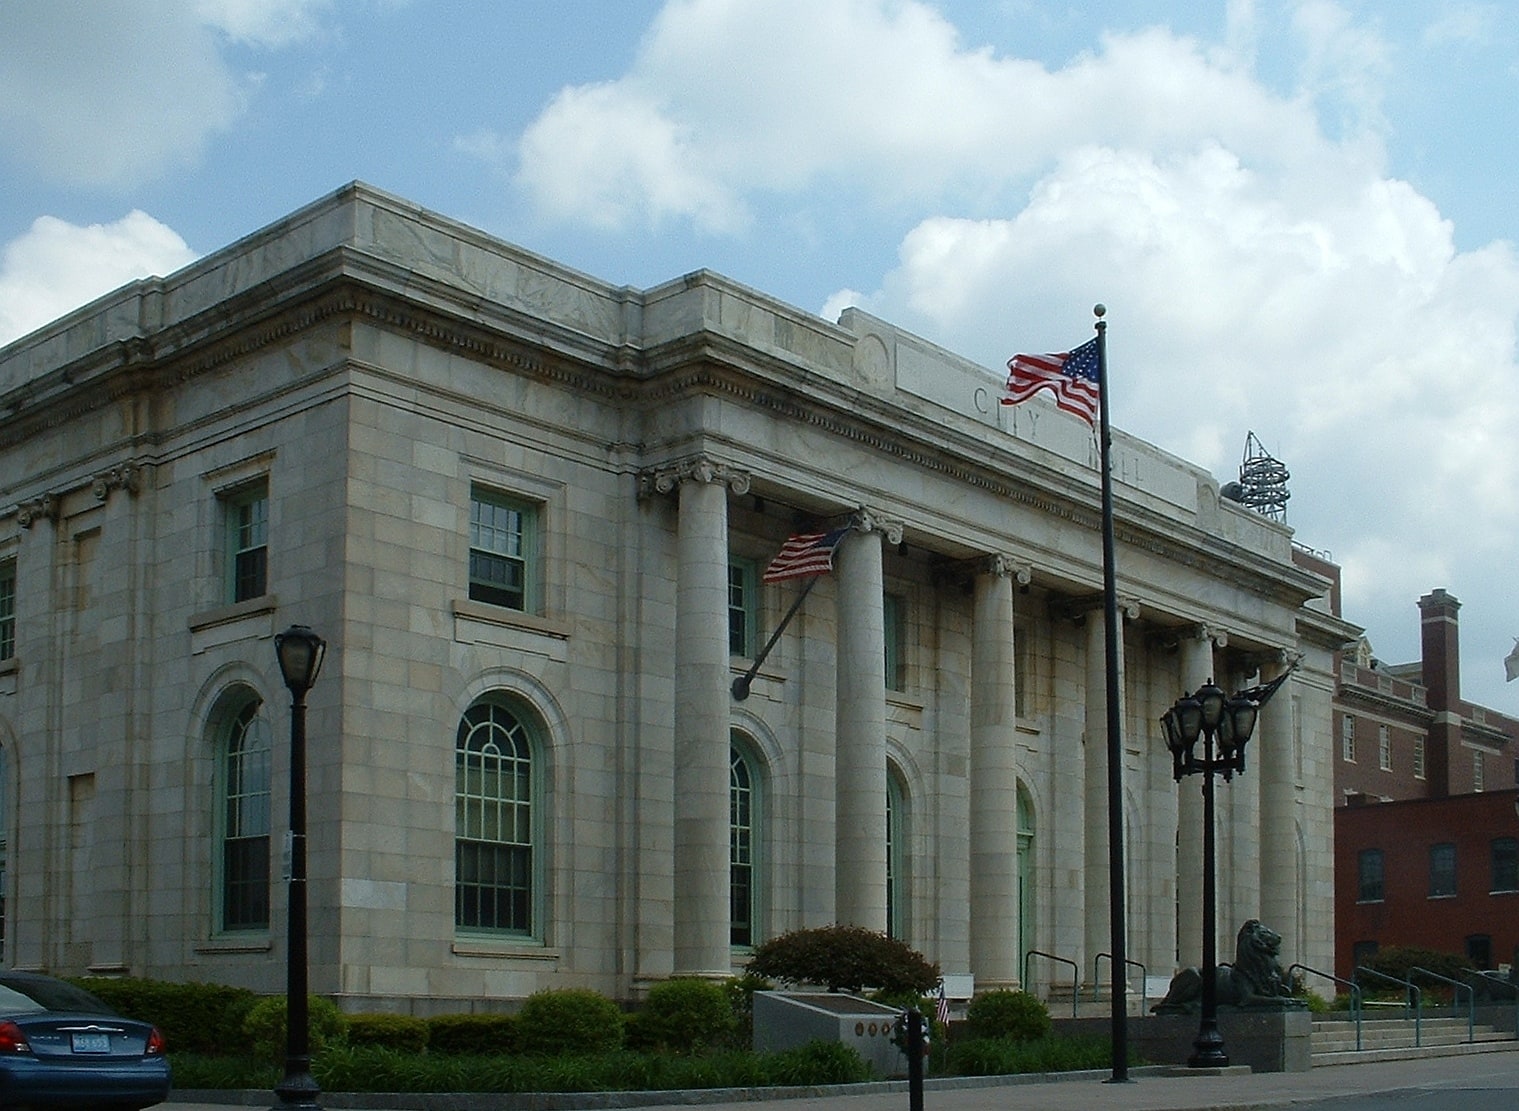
{"x": 1471, "y": 998}
{"x": 1355, "y": 994}
{"x": 1506, "y": 982}
{"x": 1075, "y": 973}
{"x": 1144, "y": 997}
{"x": 1413, "y": 994}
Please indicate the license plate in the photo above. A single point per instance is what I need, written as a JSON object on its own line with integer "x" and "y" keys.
{"x": 92, "y": 1043}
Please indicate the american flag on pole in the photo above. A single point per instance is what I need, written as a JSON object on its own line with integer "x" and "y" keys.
{"x": 1071, "y": 376}
{"x": 1511, "y": 664}
{"x": 941, "y": 1006}
{"x": 803, "y": 555}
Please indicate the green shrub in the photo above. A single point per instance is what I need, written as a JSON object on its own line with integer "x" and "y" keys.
{"x": 193, "y": 1017}
{"x": 1001, "y": 1057}
{"x": 266, "y": 1026}
{"x": 817, "y": 1063}
{"x": 683, "y": 1016}
{"x": 568, "y": 1021}
{"x": 388, "y": 1031}
{"x": 1397, "y": 960}
{"x": 466, "y": 1034}
{"x": 844, "y": 958}
{"x": 1011, "y": 1015}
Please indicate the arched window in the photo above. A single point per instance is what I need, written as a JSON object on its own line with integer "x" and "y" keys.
{"x": 896, "y": 847}
{"x": 244, "y": 788}
{"x": 495, "y": 821}
{"x": 745, "y": 830}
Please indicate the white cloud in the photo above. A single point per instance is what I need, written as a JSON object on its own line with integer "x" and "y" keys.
{"x": 117, "y": 92}
{"x": 1263, "y": 270}
{"x": 56, "y": 266}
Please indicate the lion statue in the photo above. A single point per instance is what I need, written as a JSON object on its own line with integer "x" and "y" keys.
{"x": 1255, "y": 981}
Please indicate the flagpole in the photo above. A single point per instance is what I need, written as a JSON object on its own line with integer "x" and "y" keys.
{"x": 1120, "y": 1017}
{"x": 741, "y": 685}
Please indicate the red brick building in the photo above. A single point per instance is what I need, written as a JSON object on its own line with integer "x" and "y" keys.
{"x": 1426, "y": 830}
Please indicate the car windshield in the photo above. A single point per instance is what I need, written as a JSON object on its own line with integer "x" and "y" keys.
{"x": 19, "y": 996}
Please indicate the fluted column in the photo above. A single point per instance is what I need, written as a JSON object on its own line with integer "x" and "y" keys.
{"x": 860, "y": 758}
{"x": 994, "y": 779}
{"x": 1272, "y": 750}
{"x": 701, "y": 719}
{"x": 1196, "y": 669}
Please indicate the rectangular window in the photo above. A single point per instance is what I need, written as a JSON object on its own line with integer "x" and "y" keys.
{"x": 1442, "y": 871}
{"x": 1369, "y": 869}
{"x": 894, "y": 616}
{"x": 743, "y": 608}
{"x": 1479, "y": 772}
{"x": 1384, "y": 748}
{"x": 246, "y": 516}
{"x": 502, "y": 550}
{"x": 1505, "y": 857}
{"x": 1347, "y": 739}
{"x": 1419, "y": 757}
{"x": 7, "y": 608}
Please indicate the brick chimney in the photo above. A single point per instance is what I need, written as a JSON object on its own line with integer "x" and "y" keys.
{"x": 1440, "y": 636}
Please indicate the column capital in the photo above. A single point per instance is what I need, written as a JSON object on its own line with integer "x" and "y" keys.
{"x": 124, "y": 476}
{"x": 696, "y": 468}
{"x": 47, "y": 505}
{"x": 865, "y": 519}
{"x": 1201, "y": 630}
{"x": 1075, "y": 607}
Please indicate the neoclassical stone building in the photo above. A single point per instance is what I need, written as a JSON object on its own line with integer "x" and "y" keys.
{"x": 529, "y": 512}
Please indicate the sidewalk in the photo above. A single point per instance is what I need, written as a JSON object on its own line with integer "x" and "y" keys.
{"x": 1147, "y": 1091}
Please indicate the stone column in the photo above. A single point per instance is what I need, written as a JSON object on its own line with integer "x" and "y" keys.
{"x": 1271, "y": 752}
{"x": 1098, "y": 919}
{"x": 702, "y": 715}
{"x": 860, "y": 760}
{"x": 1196, "y": 669}
{"x": 994, "y": 779}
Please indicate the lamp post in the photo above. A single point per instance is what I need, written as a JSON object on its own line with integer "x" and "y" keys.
{"x": 1229, "y": 721}
{"x": 300, "y": 653}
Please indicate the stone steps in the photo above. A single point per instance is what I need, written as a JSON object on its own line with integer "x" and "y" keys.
{"x": 1390, "y": 1039}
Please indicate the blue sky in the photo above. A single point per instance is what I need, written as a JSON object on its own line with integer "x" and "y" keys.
{"x": 1300, "y": 213}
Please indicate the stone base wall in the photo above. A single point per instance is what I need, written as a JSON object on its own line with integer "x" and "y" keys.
{"x": 1267, "y": 1041}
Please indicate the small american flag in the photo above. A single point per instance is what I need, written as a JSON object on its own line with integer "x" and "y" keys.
{"x": 809, "y": 553}
{"x": 941, "y": 1007}
{"x": 1071, "y": 376}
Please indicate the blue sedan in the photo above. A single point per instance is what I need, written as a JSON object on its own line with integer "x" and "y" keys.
{"x": 60, "y": 1047}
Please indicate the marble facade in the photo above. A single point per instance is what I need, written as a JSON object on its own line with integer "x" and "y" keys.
{"x": 371, "y": 364}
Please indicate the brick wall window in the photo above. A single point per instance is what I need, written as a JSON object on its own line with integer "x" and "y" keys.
{"x": 1442, "y": 871}
{"x": 1369, "y": 874}
{"x": 1347, "y": 739}
{"x": 1479, "y": 772}
{"x": 1505, "y": 861}
{"x": 1419, "y": 757}
{"x": 1384, "y": 748}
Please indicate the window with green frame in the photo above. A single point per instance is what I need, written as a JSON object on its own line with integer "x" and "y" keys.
{"x": 7, "y": 608}
{"x": 244, "y": 788}
{"x": 246, "y": 524}
{"x": 496, "y": 821}
{"x": 743, "y": 607}
{"x": 503, "y": 550}
{"x": 896, "y": 843}
{"x": 743, "y": 830}
{"x": 894, "y": 623}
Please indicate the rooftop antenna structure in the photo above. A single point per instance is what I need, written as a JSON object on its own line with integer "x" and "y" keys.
{"x": 1263, "y": 481}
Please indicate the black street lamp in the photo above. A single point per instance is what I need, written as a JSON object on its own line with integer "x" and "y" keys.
{"x": 1229, "y": 721}
{"x": 300, "y": 653}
